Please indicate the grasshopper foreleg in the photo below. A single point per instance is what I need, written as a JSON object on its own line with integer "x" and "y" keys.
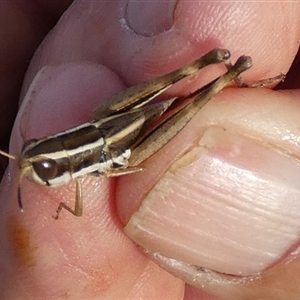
{"x": 78, "y": 209}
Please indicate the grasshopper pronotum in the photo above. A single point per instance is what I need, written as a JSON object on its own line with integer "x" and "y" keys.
{"x": 126, "y": 130}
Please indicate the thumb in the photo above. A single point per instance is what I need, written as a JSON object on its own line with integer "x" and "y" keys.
{"x": 230, "y": 203}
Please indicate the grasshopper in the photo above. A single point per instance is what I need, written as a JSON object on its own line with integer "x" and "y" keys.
{"x": 126, "y": 130}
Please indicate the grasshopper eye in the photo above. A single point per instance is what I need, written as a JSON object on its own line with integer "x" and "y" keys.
{"x": 45, "y": 169}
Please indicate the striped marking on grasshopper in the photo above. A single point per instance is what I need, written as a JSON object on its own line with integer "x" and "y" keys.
{"x": 126, "y": 130}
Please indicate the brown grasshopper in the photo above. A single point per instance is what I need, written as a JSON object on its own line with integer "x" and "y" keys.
{"x": 126, "y": 130}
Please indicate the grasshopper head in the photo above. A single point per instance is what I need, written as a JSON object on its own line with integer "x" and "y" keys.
{"x": 39, "y": 163}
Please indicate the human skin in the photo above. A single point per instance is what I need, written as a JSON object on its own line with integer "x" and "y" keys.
{"x": 91, "y": 257}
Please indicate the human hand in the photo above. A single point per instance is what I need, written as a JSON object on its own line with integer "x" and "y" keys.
{"x": 91, "y": 257}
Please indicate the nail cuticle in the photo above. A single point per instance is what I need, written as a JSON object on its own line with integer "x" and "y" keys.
{"x": 196, "y": 275}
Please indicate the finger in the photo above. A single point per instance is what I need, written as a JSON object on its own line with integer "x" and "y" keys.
{"x": 117, "y": 45}
{"x": 99, "y": 260}
{"x": 223, "y": 196}
{"x": 173, "y": 34}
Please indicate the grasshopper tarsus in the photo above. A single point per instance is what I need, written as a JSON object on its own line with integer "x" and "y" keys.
{"x": 78, "y": 209}
{"x": 265, "y": 82}
{"x": 244, "y": 63}
{"x": 75, "y": 212}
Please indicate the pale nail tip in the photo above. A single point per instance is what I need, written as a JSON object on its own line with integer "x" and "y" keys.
{"x": 149, "y": 18}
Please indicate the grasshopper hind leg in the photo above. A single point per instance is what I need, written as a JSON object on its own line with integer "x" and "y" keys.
{"x": 169, "y": 128}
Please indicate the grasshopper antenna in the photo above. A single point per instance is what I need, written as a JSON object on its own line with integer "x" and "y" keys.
{"x": 20, "y": 199}
{"x": 10, "y": 156}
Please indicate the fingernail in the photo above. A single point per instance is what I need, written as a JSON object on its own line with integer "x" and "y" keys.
{"x": 230, "y": 205}
{"x": 149, "y": 18}
{"x": 62, "y": 88}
